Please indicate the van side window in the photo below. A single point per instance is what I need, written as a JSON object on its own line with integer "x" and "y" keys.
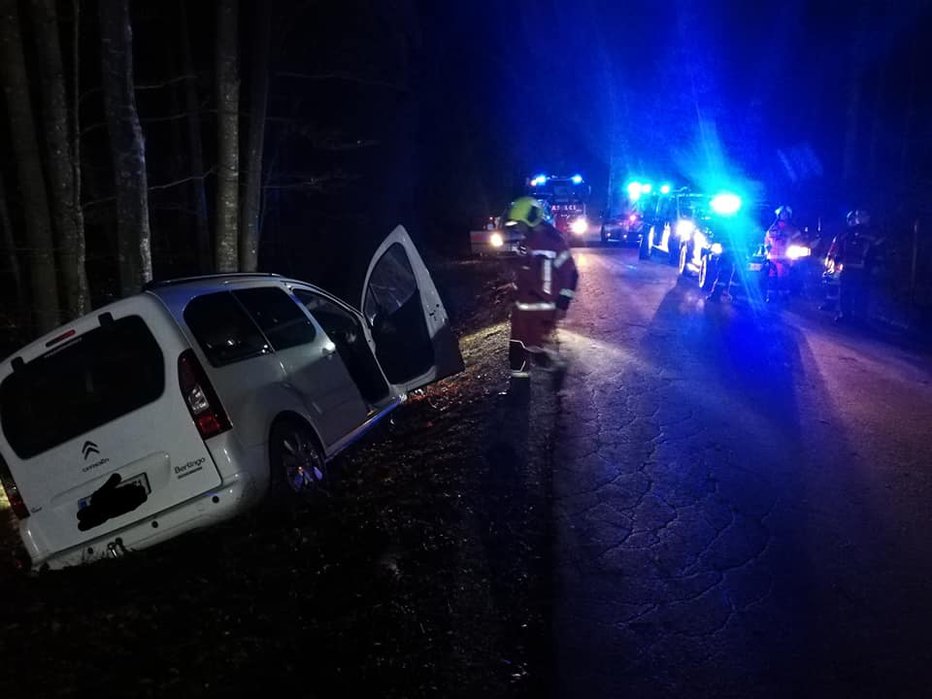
{"x": 333, "y": 319}
{"x": 223, "y": 329}
{"x": 279, "y": 317}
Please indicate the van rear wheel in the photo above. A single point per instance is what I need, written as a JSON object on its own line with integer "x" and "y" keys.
{"x": 295, "y": 459}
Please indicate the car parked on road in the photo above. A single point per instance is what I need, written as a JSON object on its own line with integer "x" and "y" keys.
{"x": 187, "y": 403}
{"x": 626, "y": 227}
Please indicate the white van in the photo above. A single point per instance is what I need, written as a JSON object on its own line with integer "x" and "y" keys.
{"x": 185, "y": 404}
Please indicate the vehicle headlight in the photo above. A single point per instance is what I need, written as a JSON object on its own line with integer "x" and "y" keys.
{"x": 579, "y": 226}
{"x": 496, "y": 240}
{"x": 795, "y": 252}
{"x": 684, "y": 229}
{"x": 716, "y": 249}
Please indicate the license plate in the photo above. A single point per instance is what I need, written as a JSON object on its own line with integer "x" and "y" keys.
{"x": 141, "y": 479}
{"x": 755, "y": 267}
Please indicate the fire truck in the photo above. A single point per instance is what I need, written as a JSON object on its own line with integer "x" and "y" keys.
{"x": 568, "y": 198}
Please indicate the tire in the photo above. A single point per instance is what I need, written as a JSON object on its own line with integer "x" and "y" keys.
{"x": 646, "y": 246}
{"x": 708, "y": 270}
{"x": 296, "y": 461}
{"x": 683, "y": 260}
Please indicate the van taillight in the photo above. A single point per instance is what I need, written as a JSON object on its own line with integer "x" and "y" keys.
{"x": 202, "y": 401}
{"x": 12, "y": 491}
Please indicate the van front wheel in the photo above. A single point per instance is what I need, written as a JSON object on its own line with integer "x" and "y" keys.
{"x": 296, "y": 461}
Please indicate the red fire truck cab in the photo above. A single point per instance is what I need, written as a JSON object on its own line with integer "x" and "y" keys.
{"x": 568, "y": 198}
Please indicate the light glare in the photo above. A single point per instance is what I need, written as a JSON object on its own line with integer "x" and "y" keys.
{"x": 726, "y": 204}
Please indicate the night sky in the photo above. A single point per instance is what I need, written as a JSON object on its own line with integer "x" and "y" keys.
{"x": 672, "y": 89}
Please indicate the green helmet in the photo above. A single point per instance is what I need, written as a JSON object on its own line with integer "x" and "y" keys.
{"x": 527, "y": 210}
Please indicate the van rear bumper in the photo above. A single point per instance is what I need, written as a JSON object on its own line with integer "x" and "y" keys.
{"x": 235, "y": 495}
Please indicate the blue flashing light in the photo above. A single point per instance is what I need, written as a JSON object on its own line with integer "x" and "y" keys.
{"x": 539, "y": 180}
{"x": 665, "y": 189}
{"x": 577, "y": 179}
{"x": 634, "y": 190}
{"x": 646, "y": 188}
{"x": 726, "y": 204}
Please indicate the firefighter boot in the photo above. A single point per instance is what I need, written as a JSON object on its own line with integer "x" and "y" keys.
{"x": 558, "y": 377}
{"x": 519, "y": 391}
{"x": 557, "y": 369}
{"x": 550, "y": 361}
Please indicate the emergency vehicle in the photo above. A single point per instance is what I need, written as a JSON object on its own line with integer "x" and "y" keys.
{"x": 493, "y": 237}
{"x": 568, "y": 198}
{"x": 642, "y": 206}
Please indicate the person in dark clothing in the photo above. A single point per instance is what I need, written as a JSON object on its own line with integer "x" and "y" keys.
{"x": 852, "y": 252}
{"x": 725, "y": 273}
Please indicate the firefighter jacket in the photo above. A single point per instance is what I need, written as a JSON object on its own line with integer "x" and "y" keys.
{"x": 779, "y": 238}
{"x": 854, "y": 249}
{"x": 545, "y": 280}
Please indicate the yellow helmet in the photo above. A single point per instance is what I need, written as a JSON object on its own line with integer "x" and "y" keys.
{"x": 527, "y": 210}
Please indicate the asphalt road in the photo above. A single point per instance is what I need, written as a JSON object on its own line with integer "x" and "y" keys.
{"x": 742, "y": 498}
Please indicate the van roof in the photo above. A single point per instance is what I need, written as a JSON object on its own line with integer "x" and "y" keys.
{"x": 172, "y": 294}
{"x": 175, "y": 294}
{"x": 207, "y": 280}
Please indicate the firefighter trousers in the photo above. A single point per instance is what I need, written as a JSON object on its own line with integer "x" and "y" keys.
{"x": 532, "y": 340}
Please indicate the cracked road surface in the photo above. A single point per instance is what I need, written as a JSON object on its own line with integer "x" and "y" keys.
{"x": 742, "y": 499}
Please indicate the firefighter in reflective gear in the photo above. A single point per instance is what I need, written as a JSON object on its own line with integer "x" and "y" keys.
{"x": 852, "y": 253}
{"x": 777, "y": 240}
{"x": 545, "y": 283}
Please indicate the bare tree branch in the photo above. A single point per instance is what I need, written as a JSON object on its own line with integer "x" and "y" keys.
{"x": 183, "y": 180}
{"x": 166, "y": 83}
{"x": 156, "y": 187}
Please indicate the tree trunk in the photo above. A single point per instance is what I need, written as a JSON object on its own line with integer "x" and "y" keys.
{"x": 76, "y": 126}
{"x": 226, "y": 238}
{"x": 25, "y": 148}
{"x": 9, "y": 248}
{"x": 66, "y": 211}
{"x": 126, "y": 146}
{"x": 259, "y": 89}
{"x": 193, "y": 109}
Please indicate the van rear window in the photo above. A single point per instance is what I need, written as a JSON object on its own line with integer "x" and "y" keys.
{"x": 94, "y": 379}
